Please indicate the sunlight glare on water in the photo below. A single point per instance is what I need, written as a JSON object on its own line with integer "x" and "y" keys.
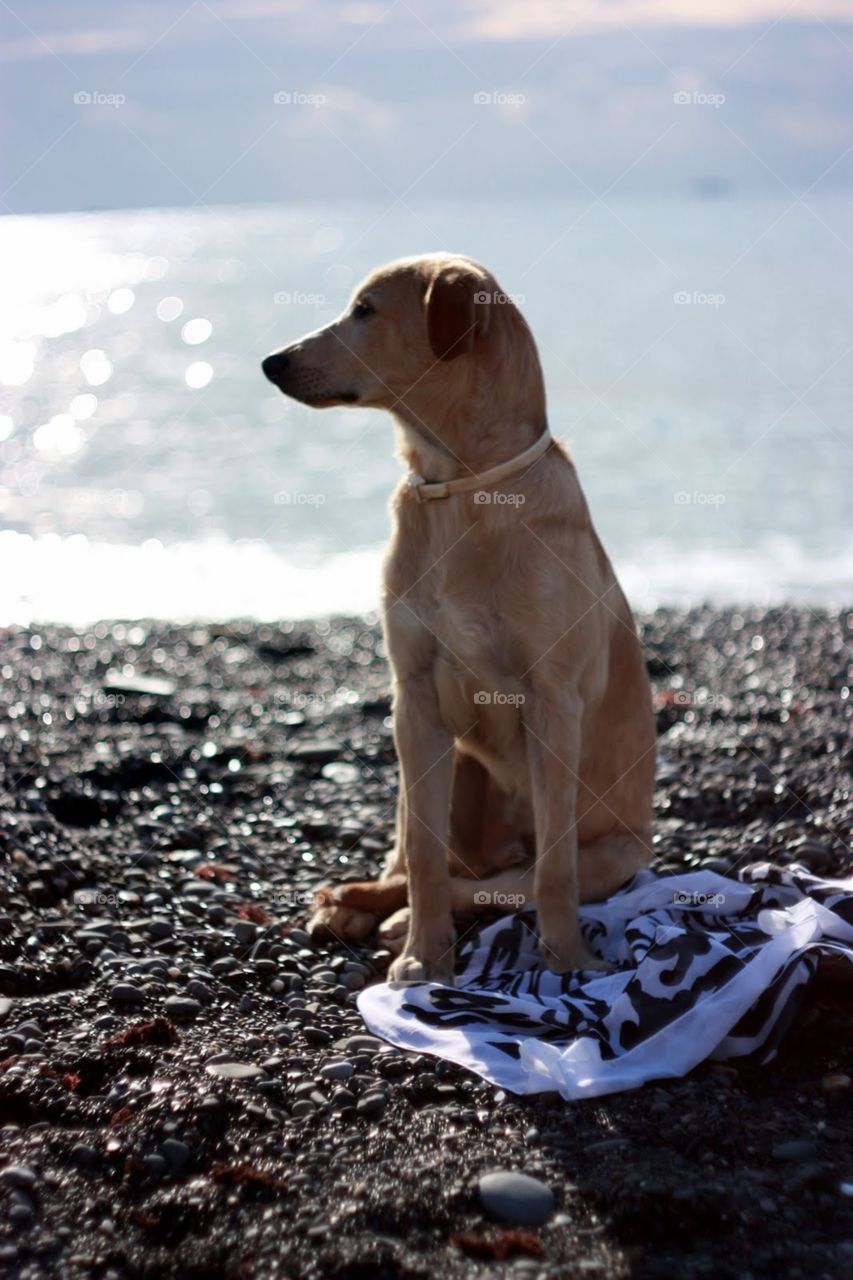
{"x": 146, "y": 466}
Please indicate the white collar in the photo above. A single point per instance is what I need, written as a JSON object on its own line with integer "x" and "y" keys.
{"x": 425, "y": 490}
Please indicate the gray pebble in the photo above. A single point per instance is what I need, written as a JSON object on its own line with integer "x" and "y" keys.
{"x": 200, "y": 991}
{"x": 19, "y": 1175}
{"x": 177, "y": 1153}
{"x": 342, "y": 1097}
{"x": 234, "y": 1070}
{"x": 158, "y": 928}
{"x": 337, "y": 1070}
{"x": 794, "y": 1150}
{"x": 316, "y": 750}
{"x": 516, "y": 1198}
{"x": 372, "y": 1104}
{"x": 341, "y": 772}
{"x": 126, "y": 993}
{"x": 360, "y": 1044}
{"x": 317, "y": 1035}
{"x": 22, "y": 1210}
{"x": 182, "y": 1007}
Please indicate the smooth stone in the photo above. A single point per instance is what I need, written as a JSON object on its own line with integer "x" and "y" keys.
{"x": 796, "y": 1149}
{"x": 176, "y": 1152}
{"x": 126, "y": 993}
{"x": 516, "y": 1198}
{"x": 234, "y": 1070}
{"x": 182, "y": 1007}
{"x": 316, "y": 750}
{"x": 608, "y": 1144}
{"x": 337, "y": 1071}
{"x": 200, "y": 991}
{"x": 19, "y": 1175}
{"x": 360, "y": 1044}
{"x": 372, "y": 1104}
{"x": 160, "y": 928}
{"x": 117, "y": 682}
{"x": 341, "y": 771}
{"x": 316, "y": 1035}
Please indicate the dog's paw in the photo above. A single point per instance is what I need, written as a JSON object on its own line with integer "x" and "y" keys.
{"x": 562, "y": 957}
{"x": 333, "y": 921}
{"x": 408, "y": 968}
{"x": 394, "y": 931}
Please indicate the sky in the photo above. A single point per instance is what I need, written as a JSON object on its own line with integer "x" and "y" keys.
{"x": 206, "y": 102}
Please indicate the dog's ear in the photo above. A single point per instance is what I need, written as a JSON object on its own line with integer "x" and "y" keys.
{"x": 457, "y": 310}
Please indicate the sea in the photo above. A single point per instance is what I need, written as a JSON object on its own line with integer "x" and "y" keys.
{"x": 698, "y": 356}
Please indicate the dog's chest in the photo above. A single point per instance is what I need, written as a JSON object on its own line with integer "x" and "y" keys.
{"x": 467, "y": 648}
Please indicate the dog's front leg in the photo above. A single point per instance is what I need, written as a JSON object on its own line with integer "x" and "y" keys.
{"x": 553, "y": 751}
{"x": 425, "y": 749}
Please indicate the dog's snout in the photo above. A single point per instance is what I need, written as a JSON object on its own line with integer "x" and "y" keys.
{"x": 275, "y": 365}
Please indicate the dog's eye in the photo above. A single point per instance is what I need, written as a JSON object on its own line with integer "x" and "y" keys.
{"x": 361, "y": 310}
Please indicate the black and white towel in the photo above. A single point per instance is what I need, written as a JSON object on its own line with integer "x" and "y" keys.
{"x": 709, "y": 967}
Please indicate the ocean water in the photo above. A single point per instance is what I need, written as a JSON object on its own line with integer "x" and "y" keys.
{"x": 698, "y": 357}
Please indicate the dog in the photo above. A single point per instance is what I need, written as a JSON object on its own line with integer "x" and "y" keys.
{"x": 522, "y": 707}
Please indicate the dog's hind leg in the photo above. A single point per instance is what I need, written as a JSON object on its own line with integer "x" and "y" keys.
{"x": 604, "y": 866}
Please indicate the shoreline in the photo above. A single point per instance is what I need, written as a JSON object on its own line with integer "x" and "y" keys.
{"x": 83, "y": 580}
{"x": 171, "y": 794}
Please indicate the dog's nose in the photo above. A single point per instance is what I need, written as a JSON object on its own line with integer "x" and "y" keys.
{"x": 275, "y": 365}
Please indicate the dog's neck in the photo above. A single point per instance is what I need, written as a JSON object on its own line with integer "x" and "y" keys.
{"x": 473, "y": 448}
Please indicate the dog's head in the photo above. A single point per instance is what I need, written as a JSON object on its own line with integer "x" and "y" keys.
{"x": 416, "y": 332}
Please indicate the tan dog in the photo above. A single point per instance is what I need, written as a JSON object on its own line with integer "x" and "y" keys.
{"x": 522, "y": 709}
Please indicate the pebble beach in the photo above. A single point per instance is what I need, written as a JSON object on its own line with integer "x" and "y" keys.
{"x": 186, "y": 1086}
